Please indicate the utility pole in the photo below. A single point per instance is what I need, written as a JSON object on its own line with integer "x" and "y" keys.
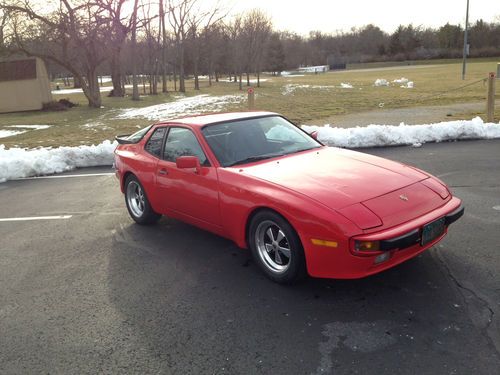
{"x": 466, "y": 50}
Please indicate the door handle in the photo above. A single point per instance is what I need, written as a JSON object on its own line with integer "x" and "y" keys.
{"x": 163, "y": 172}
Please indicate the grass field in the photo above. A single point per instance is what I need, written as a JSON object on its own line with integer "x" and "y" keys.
{"x": 311, "y": 99}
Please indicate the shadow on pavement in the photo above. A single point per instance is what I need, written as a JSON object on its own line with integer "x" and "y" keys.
{"x": 200, "y": 305}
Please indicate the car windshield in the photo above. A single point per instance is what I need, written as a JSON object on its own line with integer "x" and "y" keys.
{"x": 244, "y": 141}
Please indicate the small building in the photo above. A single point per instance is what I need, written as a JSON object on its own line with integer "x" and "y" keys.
{"x": 314, "y": 69}
{"x": 24, "y": 85}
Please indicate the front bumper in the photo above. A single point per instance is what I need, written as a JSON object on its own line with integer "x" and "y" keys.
{"x": 402, "y": 242}
{"x": 414, "y": 237}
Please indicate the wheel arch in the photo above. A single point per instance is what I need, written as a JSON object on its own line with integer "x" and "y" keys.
{"x": 124, "y": 178}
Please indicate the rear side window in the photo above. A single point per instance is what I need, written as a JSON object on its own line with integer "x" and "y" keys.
{"x": 182, "y": 142}
{"x": 155, "y": 142}
{"x": 137, "y": 136}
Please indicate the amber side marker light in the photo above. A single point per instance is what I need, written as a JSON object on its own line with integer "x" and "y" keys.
{"x": 366, "y": 246}
{"x": 326, "y": 243}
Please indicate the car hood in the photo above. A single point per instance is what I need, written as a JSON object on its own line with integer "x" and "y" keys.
{"x": 335, "y": 177}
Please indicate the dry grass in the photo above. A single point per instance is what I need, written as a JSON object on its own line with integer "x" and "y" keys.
{"x": 304, "y": 104}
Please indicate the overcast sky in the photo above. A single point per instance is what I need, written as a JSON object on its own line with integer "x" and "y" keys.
{"x": 332, "y": 15}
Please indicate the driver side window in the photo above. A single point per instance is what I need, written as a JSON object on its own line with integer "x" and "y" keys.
{"x": 182, "y": 142}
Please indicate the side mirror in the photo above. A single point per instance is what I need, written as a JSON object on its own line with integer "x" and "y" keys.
{"x": 186, "y": 162}
{"x": 314, "y": 134}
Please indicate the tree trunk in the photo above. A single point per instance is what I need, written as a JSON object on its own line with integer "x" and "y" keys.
{"x": 240, "y": 82}
{"x": 258, "y": 78}
{"x": 154, "y": 78}
{"x": 163, "y": 49}
{"x": 116, "y": 75}
{"x": 91, "y": 89}
{"x": 135, "y": 87}
{"x": 77, "y": 84}
{"x": 195, "y": 72}
{"x": 248, "y": 79}
{"x": 175, "y": 78}
{"x": 182, "y": 85}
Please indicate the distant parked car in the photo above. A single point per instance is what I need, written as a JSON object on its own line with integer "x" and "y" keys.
{"x": 301, "y": 207}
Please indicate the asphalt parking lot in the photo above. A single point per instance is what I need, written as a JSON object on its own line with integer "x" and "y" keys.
{"x": 92, "y": 292}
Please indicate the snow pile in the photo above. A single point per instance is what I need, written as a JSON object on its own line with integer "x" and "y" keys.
{"x": 387, "y": 135}
{"x": 20, "y": 162}
{"x": 408, "y": 85}
{"x": 401, "y": 80}
{"x": 381, "y": 82}
{"x": 183, "y": 107}
{"x": 288, "y": 89}
{"x": 346, "y": 85}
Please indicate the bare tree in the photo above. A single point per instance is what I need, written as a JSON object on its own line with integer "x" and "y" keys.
{"x": 119, "y": 27}
{"x": 178, "y": 16}
{"x": 135, "y": 88}
{"x": 71, "y": 36}
{"x": 153, "y": 43}
{"x": 4, "y": 16}
{"x": 238, "y": 53}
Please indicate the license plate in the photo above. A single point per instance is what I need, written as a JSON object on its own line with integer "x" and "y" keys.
{"x": 432, "y": 231}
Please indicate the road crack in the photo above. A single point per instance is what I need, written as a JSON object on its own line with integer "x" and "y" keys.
{"x": 488, "y": 327}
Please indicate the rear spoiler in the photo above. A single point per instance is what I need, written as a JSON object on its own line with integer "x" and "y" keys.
{"x": 123, "y": 139}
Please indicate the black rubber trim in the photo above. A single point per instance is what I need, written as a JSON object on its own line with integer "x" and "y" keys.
{"x": 412, "y": 238}
{"x": 401, "y": 242}
{"x": 454, "y": 216}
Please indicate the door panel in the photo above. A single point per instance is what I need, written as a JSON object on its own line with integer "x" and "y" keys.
{"x": 186, "y": 191}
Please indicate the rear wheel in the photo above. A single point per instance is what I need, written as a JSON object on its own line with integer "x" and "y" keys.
{"x": 276, "y": 247}
{"x": 137, "y": 202}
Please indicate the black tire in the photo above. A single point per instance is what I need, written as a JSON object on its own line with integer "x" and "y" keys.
{"x": 137, "y": 202}
{"x": 268, "y": 252}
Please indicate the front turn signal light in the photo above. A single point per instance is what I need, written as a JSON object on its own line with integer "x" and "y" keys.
{"x": 326, "y": 243}
{"x": 366, "y": 246}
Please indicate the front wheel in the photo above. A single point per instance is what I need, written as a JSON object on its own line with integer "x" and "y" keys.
{"x": 137, "y": 202}
{"x": 276, "y": 247}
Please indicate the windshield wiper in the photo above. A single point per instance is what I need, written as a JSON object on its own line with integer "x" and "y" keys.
{"x": 251, "y": 159}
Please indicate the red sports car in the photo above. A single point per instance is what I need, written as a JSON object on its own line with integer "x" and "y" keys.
{"x": 300, "y": 206}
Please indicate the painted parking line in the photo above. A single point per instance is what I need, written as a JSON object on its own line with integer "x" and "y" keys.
{"x": 66, "y": 176}
{"x": 31, "y": 218}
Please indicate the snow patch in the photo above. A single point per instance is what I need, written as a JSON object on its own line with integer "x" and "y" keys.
{"x": 10, "y": 133}
{"x": 346, "y": 85}
{"x": 182, "y": 107}
{"x": 22, "y": 129}
{"x": 291, "y": 74}
{"x": 21, "y": 162}
{"x": 80, "y": 91}
{"x": 34, "y": 127}
{"x": 416, "y": 135}
{"x": 291, "y": 87}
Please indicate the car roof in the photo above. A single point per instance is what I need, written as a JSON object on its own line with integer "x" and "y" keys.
{"x": 202, "y": 120}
